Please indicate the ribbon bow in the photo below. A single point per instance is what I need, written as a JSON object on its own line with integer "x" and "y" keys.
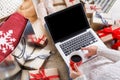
{"x": 41, "y": 40}
{"x": 93, "y": 8}
{"x": 41, "y": 76}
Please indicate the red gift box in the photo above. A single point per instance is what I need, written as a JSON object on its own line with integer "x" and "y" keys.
{"x": 10, "y": 33}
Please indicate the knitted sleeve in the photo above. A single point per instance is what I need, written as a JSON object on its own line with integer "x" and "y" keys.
{"x": 111, "y": 54}
{"x": 83, "y": 77}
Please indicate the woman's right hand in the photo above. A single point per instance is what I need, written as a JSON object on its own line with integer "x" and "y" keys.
{"x": 92, "y": 50}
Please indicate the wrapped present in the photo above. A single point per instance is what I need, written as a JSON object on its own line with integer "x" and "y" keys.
{"x": 25, "y": 75}
{"x": 108, "y": 33}
{"x": 100, "y": 20}
{"x": 22, "y": 51}
{"x": 58, "y": 2}
{"x": 9, "y": 71}
{"x": 71, "y": 2}
{"x": 44, "y": 74}
{"x": 41, "y": 41}
{"x": 91, "y": 8}
{"x": 60, "y": 7}
{"x": 36, "y": 60}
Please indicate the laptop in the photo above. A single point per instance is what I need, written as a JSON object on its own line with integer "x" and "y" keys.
{"x": 70, "y": 30}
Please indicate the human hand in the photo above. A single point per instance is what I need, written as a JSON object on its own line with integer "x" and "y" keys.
{"x": 75, "y": 73}
{"x": 92, "y": 50}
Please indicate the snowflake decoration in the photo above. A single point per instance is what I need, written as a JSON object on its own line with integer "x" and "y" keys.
{"x": 6, "y": 41}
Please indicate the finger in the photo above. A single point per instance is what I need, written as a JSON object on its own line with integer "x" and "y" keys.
{"x": 76, "y": 68}
{"x": 88, "y": 55}
{"x": 84, "y": 48}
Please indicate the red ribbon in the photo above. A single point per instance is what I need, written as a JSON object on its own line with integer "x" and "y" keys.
{"x": 71, "y": 1}
{"x": 94, "y": 8}
{"x": 37, "y": 41}
{"x": 115, "y": 33}
{"x": 41, "y": 76}
{"x": 116, "y": 45}
{"x": 104, "y": 32}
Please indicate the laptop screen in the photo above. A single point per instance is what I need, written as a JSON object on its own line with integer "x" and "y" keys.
{"x": 67, "y": 22}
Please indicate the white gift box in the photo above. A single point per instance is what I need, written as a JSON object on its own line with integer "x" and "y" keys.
{"x": 98, "y": 23}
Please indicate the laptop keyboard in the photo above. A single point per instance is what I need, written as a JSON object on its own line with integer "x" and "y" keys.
{"x": 78, "y": 42}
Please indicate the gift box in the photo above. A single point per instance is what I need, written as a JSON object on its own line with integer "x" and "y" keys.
{"x": 41, "y": 41}
{"x": 91, "y": 8}
{"x": 25, "y": 75}
{"x": 9, "y": 71}
{"x": 71, "y": 2}
{"x": 58, "y": 2}
{"x": 36, "y": 60}
{"x": 60, "y": 7}
{"x": 44, "y": 74}
{"x": 100, "y": 20}
{"x": 22, "y": 51}
{"x": 108, "y": 34}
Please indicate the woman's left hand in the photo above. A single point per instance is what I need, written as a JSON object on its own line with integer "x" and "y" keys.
{"x": 75, "y": 73}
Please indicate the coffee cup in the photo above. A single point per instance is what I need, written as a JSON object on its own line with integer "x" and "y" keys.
{"x": 75, "y": 58}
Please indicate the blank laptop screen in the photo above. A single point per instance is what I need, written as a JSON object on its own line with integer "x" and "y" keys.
{"x": 67, "y": 22}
